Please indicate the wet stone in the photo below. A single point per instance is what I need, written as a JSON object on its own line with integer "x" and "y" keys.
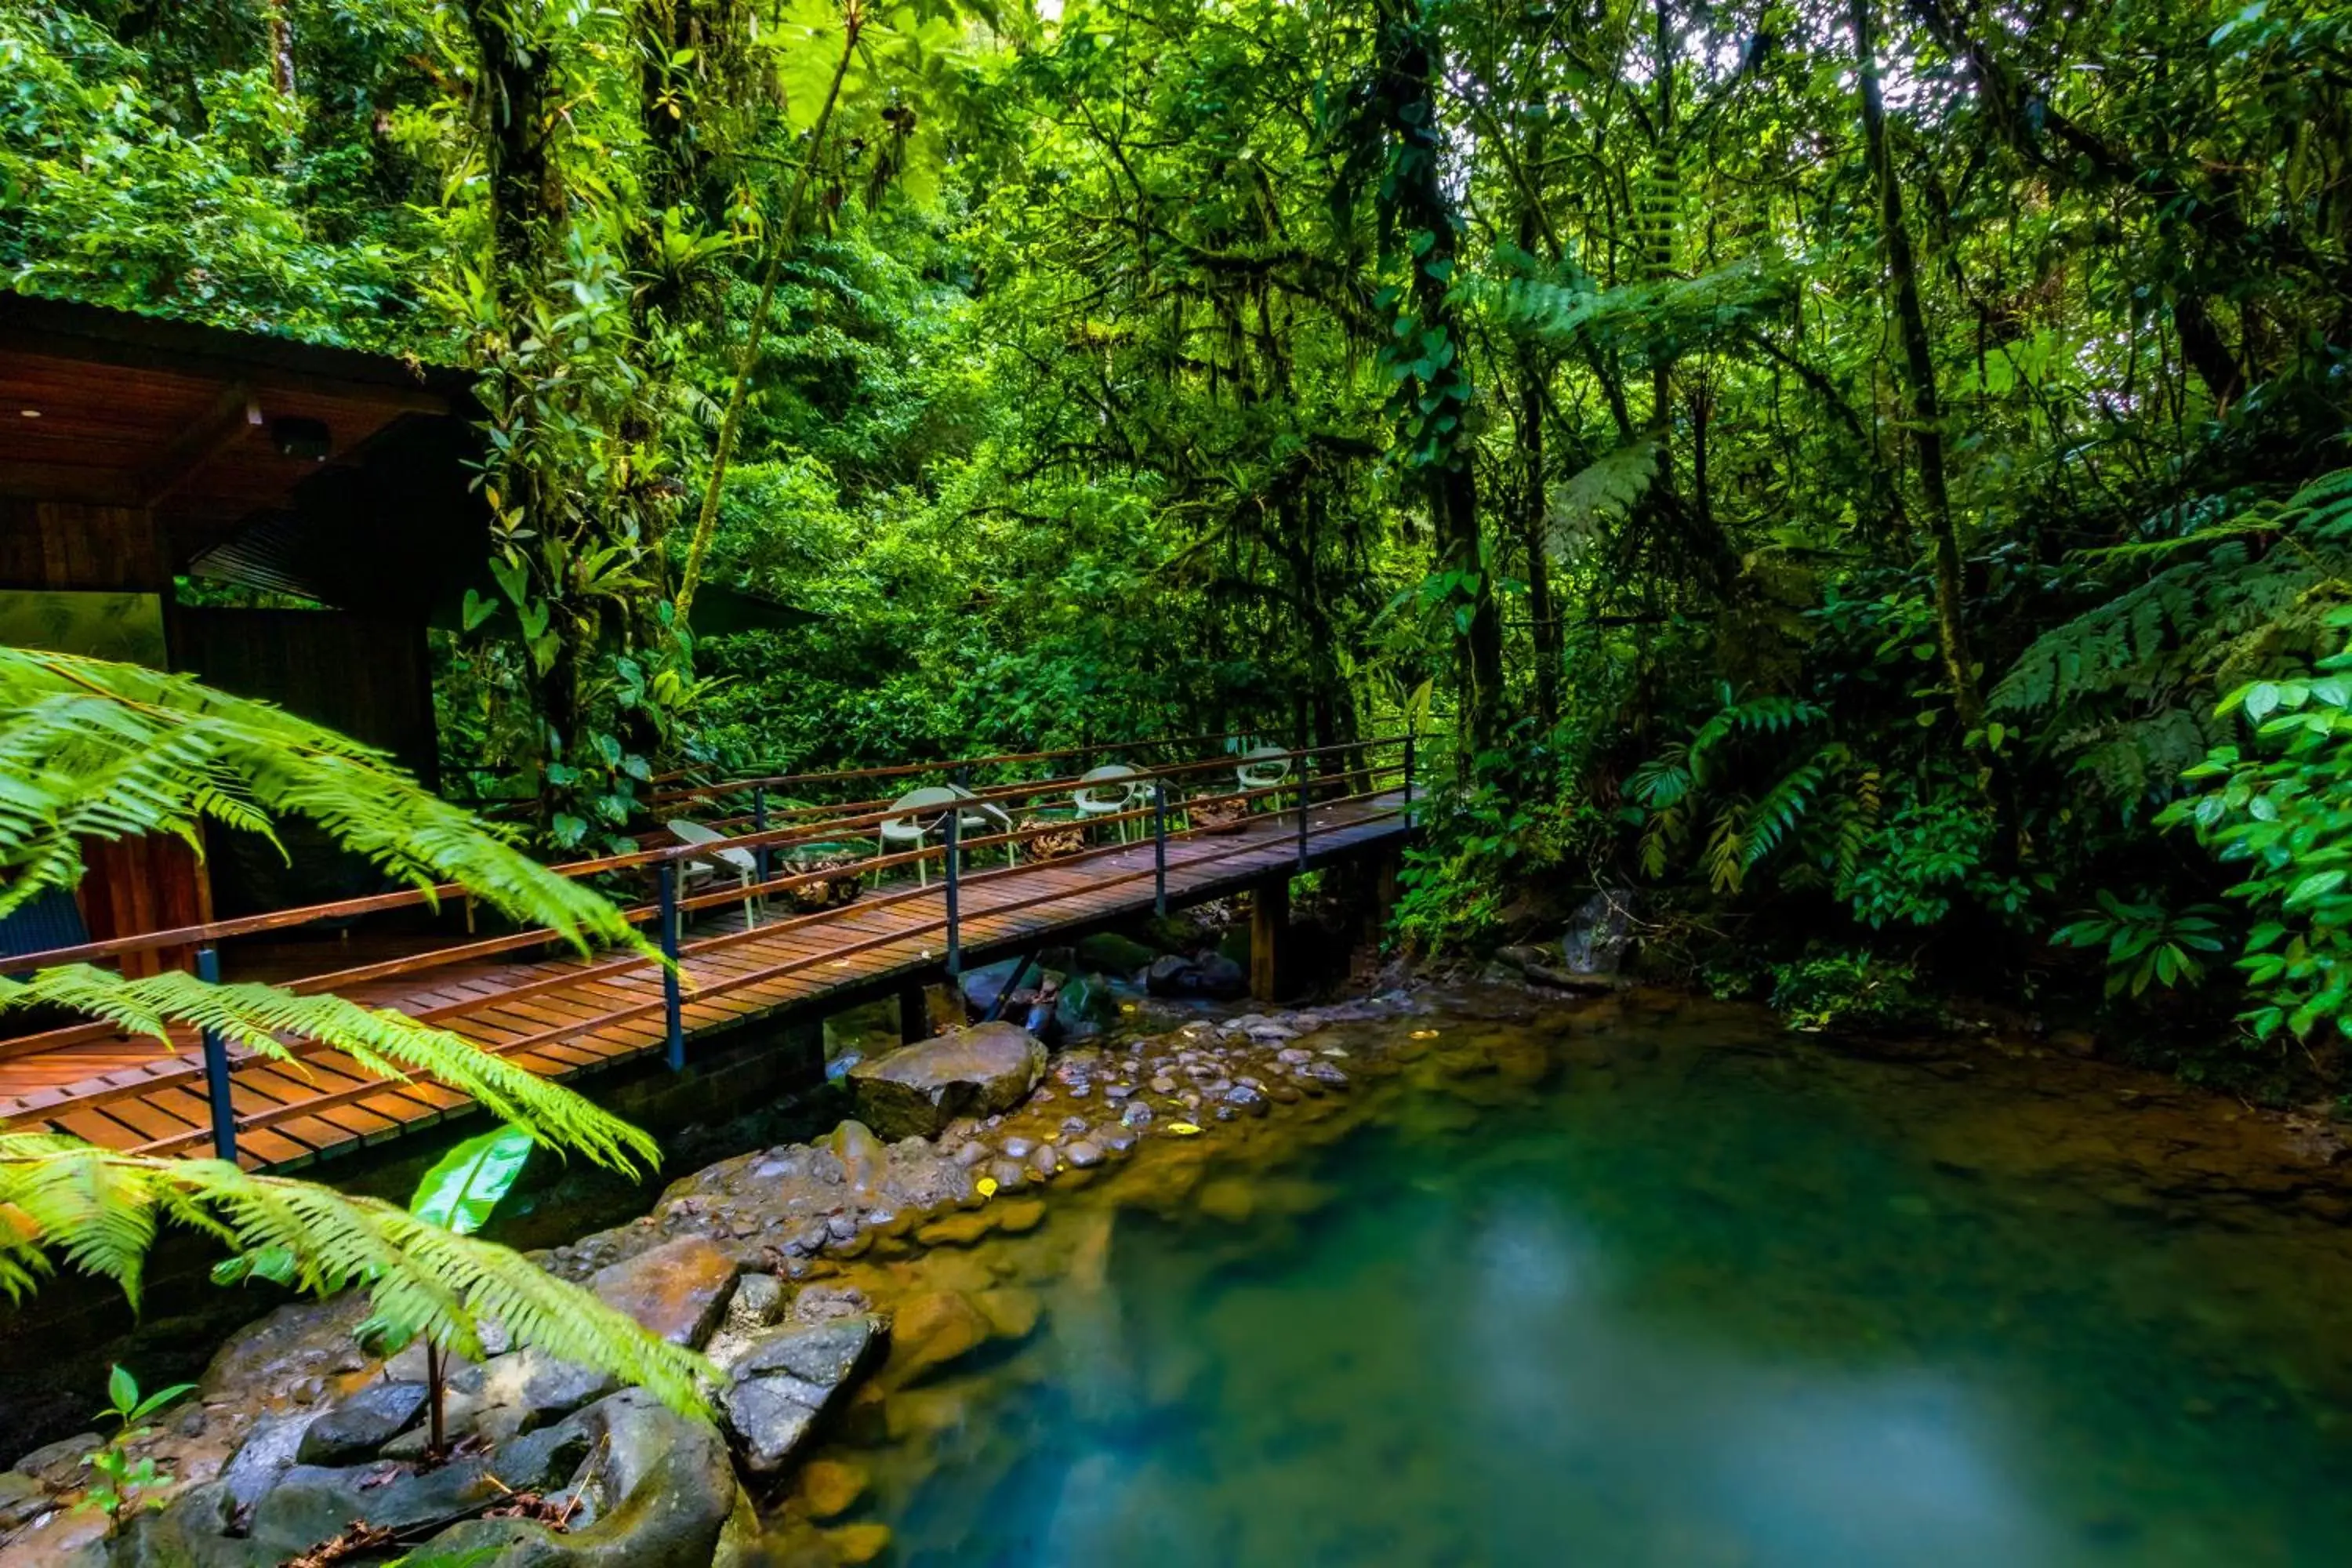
{"x": 357, "y": 1427}
{"x": 677, "y": 1290}
{"x": 971, "y": 1154}
{"x": 1018, "y": 1148}
{"x": 1009, "y": 1175}
{"x": 1137, "y": 1114}
{"x": 1085, "y": 1155}
{"x": 1044, "y": 1160}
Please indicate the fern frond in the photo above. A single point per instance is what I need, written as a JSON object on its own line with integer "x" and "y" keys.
{"x": 99, "y": 1209}
{"x": 1775, "y": 817}
{"x": 262, "y": 1018}
{"x": 1594, "y": 495}
{"x": 90, "y": 749}
{"x": 1655, "y": 320}
{"x": 1664, "y": 779}
{"x": 1727, "y": 848}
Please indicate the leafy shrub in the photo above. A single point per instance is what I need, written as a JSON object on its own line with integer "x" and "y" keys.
{"x": 1850, "y": 990}
{"x": 2147, "y": 944}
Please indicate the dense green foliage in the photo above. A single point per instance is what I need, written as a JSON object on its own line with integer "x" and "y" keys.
{"x": 1829, "y": 462}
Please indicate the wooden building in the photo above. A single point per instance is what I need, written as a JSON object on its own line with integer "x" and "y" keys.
{"x": 144, "y": 462}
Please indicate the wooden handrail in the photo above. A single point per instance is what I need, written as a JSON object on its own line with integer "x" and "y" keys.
{"x": 902, "y": 770}
{"x": 215, "y": 931}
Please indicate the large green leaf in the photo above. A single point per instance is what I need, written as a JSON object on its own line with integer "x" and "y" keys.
{"x": 458, "y": 1192}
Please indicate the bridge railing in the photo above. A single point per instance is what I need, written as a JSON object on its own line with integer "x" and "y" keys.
{"x": 1326, "y": 776}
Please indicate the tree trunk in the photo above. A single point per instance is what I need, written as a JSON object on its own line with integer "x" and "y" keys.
{"x": 1418, "y": 203}
{"x": 281, "y": 50}
{"x": 1918, "y": 372}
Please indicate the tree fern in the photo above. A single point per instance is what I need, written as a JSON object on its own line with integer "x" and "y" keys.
{"x": 1657, "y": 320}
{"x": 260, "y": 1017}
{"x": 100, "y": 1211}
{"x": 90, "y": 749}
{"x": 2128, "y": 684}
{"x": 1596, "y": 494}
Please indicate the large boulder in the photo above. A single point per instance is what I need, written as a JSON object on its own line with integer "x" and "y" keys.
{"x": 786, "y": 1379}
{"x": 1600, "y": 933}
{"x": 677, "y": 1290}
{"x": 1116, "y": 954}
{"x": 916, "y": 1090}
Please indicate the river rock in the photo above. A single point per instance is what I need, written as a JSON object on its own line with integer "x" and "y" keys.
{"x": 677, "y": 1290}
{"x": 22, "y": 1499}
{"x": 59, "y": 1464}
{"x": 267, "y": 1454}
{"x": 786, "y": 1381}
{"x": 1600, "y": 933}
{"x": 865, "y": 1161}
{"x": 1084, "y": 1155}
{"x": 918, "y": 1089}
{"x": 664, "y": 1496}
{"x": 1045, "y": 1160}
{"x": 1115, "y": 955}
{"x": 358, "y": 1426}
{"x": 525, "y": 1390}
{"x": 312, "y": 1503}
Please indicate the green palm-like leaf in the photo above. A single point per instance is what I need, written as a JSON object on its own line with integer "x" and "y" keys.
{"x": 90, "y": 749}
{"x": 101, "y": 1209}
{"x": 460, "y": 1192}
{"x": 260, "y": 1017}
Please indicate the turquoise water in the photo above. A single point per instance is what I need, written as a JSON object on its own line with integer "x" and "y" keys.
{"x": 1675, "y": 1305}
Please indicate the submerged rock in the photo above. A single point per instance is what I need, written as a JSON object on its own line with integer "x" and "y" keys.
{"x": 916, "y": 1090}
{"x": 829, "y": 1487}
{"x": 932, "y": 1330}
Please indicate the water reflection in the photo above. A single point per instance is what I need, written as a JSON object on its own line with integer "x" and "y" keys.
{"x": 1674, "y": 1319}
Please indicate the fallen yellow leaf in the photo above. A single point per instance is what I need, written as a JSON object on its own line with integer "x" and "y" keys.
{"x": 1425, "y": 1033}
{"x": 1182, "y": 1128}
{"x": 985, "y": 1186}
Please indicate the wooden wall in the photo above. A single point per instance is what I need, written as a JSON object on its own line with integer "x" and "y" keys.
{"x": 67, "y": 544}
{"x": 366, "y": 678}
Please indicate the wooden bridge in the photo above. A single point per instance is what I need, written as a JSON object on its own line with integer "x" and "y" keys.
{"x": 1034, "y": 874}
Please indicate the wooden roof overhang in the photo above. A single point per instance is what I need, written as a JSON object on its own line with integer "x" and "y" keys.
{"x": 214, "y": 434}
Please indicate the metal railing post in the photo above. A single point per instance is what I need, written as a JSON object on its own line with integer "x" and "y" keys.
{"x": 954, "y": 856}
{"x": 673, "y": 1011}
{"x": 1305, "y": 788}
{"x": 1158, "y": 846}
{"x": 217, "y": 1066}
{"x": 760, "y": 824}
{"x": 1408, "y": 778}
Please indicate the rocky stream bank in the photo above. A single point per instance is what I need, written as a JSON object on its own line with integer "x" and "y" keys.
{"x": 855, "y": 1291}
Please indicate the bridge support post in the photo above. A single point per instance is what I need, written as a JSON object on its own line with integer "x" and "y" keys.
{"x": 1408, "y": 778}
{"x": 673, "y": 1009}
{"x": 1269, "y": 930}
{"x": 216, "y": 1085}
{"x": 914, "y": 1013}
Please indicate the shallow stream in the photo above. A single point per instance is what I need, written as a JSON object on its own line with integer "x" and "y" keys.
{"x": 1653, "y": 1288}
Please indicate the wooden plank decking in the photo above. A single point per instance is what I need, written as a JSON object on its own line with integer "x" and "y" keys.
{"x": 568, "y": 1016}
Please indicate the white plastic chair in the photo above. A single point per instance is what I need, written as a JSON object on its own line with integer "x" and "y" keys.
{"x": 1108, "y": 789}
{"x": 742, "y": 862}
{"x": 1263, "y": 767}
{"x": 918, "y": 814}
